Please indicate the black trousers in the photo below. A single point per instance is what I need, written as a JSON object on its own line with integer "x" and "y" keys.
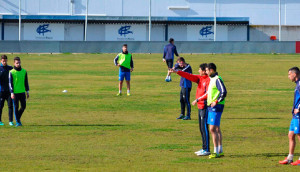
{"x": 5, "y": 95}
{"x": 19, "y": 98}
{"x": 203, "y": 115}
{"x": 185, "y": 100}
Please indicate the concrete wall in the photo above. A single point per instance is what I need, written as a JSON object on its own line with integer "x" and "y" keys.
{"x": 144, "y": 47}
{"x": 263, "y": 33}
{"x": 260, "y": 12}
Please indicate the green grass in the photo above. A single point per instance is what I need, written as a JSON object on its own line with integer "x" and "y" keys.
{"x": 91, "y": 129}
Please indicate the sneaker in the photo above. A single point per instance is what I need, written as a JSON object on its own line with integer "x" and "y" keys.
{"x": 18, "y": 124}
{"x": 214, "y": 155}
{"x": 180, "y": 117}
{"x": 286, "y": 161}
{"x": 203, "y": 153}
{"x": 187, "y": 118}
{"x": 167, "y": 80}
{"x": 201, "y": 150}
{"x": 1, "y": 123}
{"x": 119, "y": 94}
{"x": 11, "y": 123}
{"x": 128, "y": 94}
{"x": 295, "y": 163}
{"x": 221, "y": 154}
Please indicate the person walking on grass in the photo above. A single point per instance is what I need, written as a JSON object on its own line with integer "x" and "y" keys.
{"x": 168, "y": 57}
{"x": 4, "y": 88}
{"x": 19, "y": 89}
{"x": 125, "y": 63}
{"x": 294, "y": 131}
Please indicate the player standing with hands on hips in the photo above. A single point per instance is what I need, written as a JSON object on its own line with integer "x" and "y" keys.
{"x": 18, "y": 86}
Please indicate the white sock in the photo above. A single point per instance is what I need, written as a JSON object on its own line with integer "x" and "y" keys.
{"x": 290, "y": 157}
{"x": 220, "y": 149}
{"x": 167, "y": 77}
{"x": 120, "y": 91}
{"x": 216, "y": 150}
{"x": 128, "y": 91}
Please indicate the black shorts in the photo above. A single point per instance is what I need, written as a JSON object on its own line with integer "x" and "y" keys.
{"x": 170, "y": 63}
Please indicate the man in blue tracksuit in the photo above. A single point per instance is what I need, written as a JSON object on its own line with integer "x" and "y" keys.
{"x": 169, "y": 51}
{"x": 4, "y": 88}
{"x": 186, "y": 87}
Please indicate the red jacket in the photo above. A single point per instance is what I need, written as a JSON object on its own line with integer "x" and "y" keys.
{"x": 203, "y": 82}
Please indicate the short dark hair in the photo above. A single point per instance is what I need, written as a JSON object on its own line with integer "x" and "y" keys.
{"x": 171, "y": 40}
{"x": 295, "y": 70}
{"x": 3, "y": 56}
{"x": 124, "y": 45}
{"x": 17, "y": 59}
{"x": 203, "y": 66}
{"x": 212, "y": 66}
{"x": 181, "y": 59}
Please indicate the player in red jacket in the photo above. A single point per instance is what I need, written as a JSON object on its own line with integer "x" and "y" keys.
{"x": 201, "y": 95}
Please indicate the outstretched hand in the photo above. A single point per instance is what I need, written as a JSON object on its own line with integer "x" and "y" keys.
{"x": 194, "y": 102}
{"x": 172, "y": 71}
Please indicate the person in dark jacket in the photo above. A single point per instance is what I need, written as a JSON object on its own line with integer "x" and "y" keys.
{"x": 168, "y": 57}
{"x": 4, "y": 87}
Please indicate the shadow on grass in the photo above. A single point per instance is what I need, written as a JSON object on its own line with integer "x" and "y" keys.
{"x": 252, "y": 118}
{"x": 265, "y": 155}
{"x": 79, "y": 125}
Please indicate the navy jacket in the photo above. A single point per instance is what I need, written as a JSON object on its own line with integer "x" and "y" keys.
{"x": 185, "y": 83}
{"x": 169, "y": 51}
{"x": 4, "y": 81}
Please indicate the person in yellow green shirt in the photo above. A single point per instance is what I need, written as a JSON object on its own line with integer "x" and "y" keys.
{"x": 216, "y": 94}
{"x": 125, "y": 63}
{"x": 19, "y": 89}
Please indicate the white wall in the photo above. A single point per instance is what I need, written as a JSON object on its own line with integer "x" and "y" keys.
{"x": 237, "y": 33}
{"x": 157, "y": 32}
{"x": 178, "y": 32}
{"x": 11, "y": 31}
{"x": 95, "y": 32}
{"x": 74, "y": 32}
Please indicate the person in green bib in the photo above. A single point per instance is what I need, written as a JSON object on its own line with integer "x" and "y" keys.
{"x": 216, "y": 94}
{"x": 18, "y": 86}
{"x": 125, "y": 63}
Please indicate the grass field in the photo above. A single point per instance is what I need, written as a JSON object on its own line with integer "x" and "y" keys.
{"x": 89, "y": 128}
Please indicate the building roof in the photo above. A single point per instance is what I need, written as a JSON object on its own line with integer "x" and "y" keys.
{"x": 124, "y": 19}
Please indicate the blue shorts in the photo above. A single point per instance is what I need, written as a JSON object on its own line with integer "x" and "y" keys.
{"x": 214, "y": 115}
{"x": 295, "y": 126}
{"x": 123, "y": 75}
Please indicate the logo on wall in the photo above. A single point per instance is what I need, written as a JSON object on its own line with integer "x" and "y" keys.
{"x": 42, "y": 29}
{"x": 125, "y": 30}
{"x": 206, "y": 31}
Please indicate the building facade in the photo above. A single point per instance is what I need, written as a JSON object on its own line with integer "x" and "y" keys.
{"x": 128, "y": 20}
